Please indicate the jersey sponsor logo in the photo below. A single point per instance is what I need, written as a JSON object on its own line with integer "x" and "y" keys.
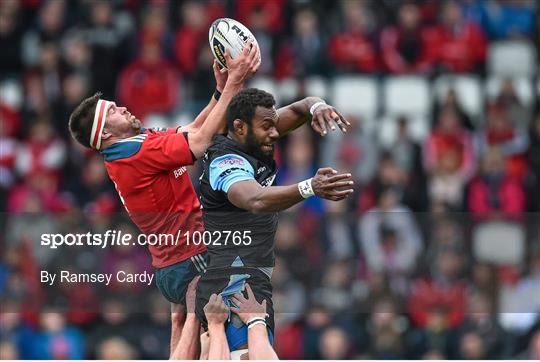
{"x": 268, "y": 182}
{"x": 179, "y": 171}
{"x": 231, "y": 161}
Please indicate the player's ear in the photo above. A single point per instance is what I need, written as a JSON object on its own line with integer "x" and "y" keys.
{"x": 240, "y": 127}
{"x": 105, "y": 134}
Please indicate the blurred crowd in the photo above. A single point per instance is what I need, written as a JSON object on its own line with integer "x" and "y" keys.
{"x": 403, "y": 269}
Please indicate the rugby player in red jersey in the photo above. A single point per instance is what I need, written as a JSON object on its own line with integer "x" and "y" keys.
{"x": 148, "y": 168}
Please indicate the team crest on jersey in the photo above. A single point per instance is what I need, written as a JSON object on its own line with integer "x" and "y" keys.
{"x": 232, "y": 161}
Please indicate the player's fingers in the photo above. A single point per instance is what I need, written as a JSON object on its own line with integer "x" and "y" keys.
{"x": 335, "y": 185}
{"x": 343, "y": 119}
{"x": 255, "y": 59}
{"x": 339, "y": 177}
{"x": 339, "y": 122}
{"x": 227, "y": 55}
{"x": 316, "y": 127}
{"x": 326, "y": 171}
{"x": 249, "y": 292}
{"x": 328, "y": 120}
{"x": 247, "y": 51}
{"x": 337, "y": 193}
{"x": 319, "y": 118}
{"x": 237, "y": 300}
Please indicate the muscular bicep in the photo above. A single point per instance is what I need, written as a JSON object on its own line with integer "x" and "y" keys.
{"x": 241, "y": 194}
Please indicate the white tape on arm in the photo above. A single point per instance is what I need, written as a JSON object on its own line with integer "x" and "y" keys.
{"x": 305, "y": 188}
{"x": 315, "y": 106}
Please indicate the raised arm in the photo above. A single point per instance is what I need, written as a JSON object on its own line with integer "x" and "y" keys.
{"x": 312, "y": 109}
{"x": 221, "y": 79}
{"x": 239, "y": 70}
{"x": 250, "y": 195}
{"x": 216, "y": 313}
{"x": 253, "y": 314}
{"x": 189, "y": 343}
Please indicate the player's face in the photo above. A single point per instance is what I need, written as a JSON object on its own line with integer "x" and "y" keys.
{"x": 120, "y": 122}
{"x": 262, "y": 134}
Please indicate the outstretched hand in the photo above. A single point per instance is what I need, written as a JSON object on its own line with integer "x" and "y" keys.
{"x": 215, "y": 310}
{"x": 325, "y": 116}
{"x": 330, "y": 185}
{"x": 245, "y": 65}
{"x": 248, "y": 308}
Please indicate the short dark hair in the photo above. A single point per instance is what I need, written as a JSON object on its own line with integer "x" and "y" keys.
{"x": 80, "y": 121}
{"x": 243, "y": 105}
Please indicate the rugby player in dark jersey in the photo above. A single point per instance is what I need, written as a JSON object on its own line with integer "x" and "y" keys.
{"x": 240, "y": 203}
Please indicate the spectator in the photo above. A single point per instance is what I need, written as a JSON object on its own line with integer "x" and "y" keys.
{"x": 472, "y": 346}
{"x": 335, "y": 344}
{"x": 481, "y": 320}
{"x": 10, "y": 38}
{"x": 534, "y": 161}
{"x": 460, "y": 44}
{"x": 191, "y": 35}
{"x": 449, "y": 160}
{"x": 56, "y": 340}
{"x": 317, "y": 319}
{"x": 275, "y": 10}
{"x": 438, "y": 302}
{"x": 116, "y": 323}
{"x": 355, "y": 152}
{"x": 109, "y": 39}
{"x": 150, "y": 84}
{"x": 533, "y": 351}
{"x": 128, "y": 258}
{"x": 509, "y": 102}
{"x": 353, "y": 49}
{"x": 511, "y": 139}
{"x": 43, "y": 152}
{"x": 407, "y": 47}
{"x": 154, "y": 332}
{"x": 495, "y": 190}
{"x": 389, "y": 237}
{"x": 115, "y": 348}
{"x": 505, "y": 19}
{"x": 304, "y": 54}
{"x": 76, "y": 53}
{"x": 333, "y": 293}
{"x": 51, "y": 24}
{"x": 386, "y": 331}
{"x": 450, "y": 101}
{"x": 407, "y": 162}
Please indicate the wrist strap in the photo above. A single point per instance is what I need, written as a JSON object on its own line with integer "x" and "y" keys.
{"x": 217, "y": 94}
{"x": 253, "y": 324}
{"x": 255, "y": 319}
{"x": 315, "y": 106}
{"x": 305, "y": 188}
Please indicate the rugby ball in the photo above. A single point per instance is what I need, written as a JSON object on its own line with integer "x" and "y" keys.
{"x": 225, "y": 33}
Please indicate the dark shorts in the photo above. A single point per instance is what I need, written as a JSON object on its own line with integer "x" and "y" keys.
{"x": 172, "y": 281}
{"x": 228, "y": 281}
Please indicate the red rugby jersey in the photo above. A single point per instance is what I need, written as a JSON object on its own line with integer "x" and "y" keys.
{"x": 150, "y": 175}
